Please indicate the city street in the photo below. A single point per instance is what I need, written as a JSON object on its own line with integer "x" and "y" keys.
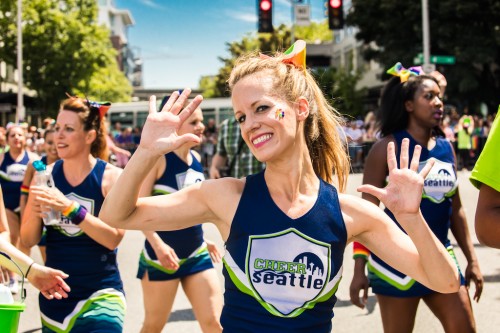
{"x": 347, "y": 318}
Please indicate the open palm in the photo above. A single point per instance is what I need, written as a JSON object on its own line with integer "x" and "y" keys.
{"x": 404, "y": 192}
{"x": 159, "y": 134}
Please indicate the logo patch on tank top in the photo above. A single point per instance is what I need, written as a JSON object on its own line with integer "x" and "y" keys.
{"x": 441, "y": 182}
{"x": 15, "y": 172}
{"x": 288, "y": 270}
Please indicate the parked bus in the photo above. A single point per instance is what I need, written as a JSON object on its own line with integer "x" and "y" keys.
{"x": 133, "y": 114}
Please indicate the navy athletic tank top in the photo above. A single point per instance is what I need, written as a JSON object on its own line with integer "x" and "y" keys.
{"x": 178, "y": 175}
{"x": 281, "y": 274}
{"x": 90, "y": 265}
{"x": 11, "y": 179}
{"x": 439, "y": 186}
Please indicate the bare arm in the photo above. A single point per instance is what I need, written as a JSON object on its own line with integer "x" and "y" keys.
{"x": 374, "y": 175}
{"x": 159, "y": 212}
{"x": 94, "y": 227}
{"x": 460, "y": 230}
{"x": 487, "y": 221}
{"x": 218, "y": 162}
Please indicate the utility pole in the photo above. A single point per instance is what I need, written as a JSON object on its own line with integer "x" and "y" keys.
{"x": 20, "y": 101}
{"x": 427, "y": 67}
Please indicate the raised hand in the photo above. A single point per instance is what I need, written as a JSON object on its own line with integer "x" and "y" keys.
{"x": 404, "y": 192}
{"x": 159, "y": 135}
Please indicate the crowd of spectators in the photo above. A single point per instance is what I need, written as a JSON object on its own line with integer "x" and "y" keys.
{"x": 467, "y": 133}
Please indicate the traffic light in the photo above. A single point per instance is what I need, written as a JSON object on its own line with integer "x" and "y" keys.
{"x": 335, "y": 14}
{"x": 265, "y": 10}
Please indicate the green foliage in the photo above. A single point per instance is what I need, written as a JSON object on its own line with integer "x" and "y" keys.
{"x": 333, "y": 82}
{"x": 468, "y": 30}
{"x": 64, "y": 50}
{"x": 339, "y": 87}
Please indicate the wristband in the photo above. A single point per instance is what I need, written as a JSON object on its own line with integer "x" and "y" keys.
{"x": 28, "y": 270}
{"x": 75, "y": 212}
{"x": 25, "y": 190}
{"x": 79, "y": 216}
{"x": 71, "y": 210}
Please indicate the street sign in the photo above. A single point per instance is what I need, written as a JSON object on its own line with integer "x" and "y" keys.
{"x": 435, "y": 59}
{"x": 443, "y": 60}
{"x": 302, "y": 15}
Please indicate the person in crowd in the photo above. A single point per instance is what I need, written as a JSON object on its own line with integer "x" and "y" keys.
{"x": 209, "y": 143}
{"x": 48, "y": 158}
{"x": 411, "y": 109}
{"x": 465, "y": 127}
{"x": 49, "y": 281}
{"x": 170, "y": 258}
{"x": 233, "y": 158}
{"x": 285, "y": 228}
{"x": 3, "y": 140}
{"x": 80, "y": 243}
{"x": 13, "y": 164}
{"x": 354, "y": 134}
{"x": 485, "y": 177}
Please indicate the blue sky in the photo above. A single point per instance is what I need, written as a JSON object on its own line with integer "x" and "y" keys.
{"x": 181, "y": 40}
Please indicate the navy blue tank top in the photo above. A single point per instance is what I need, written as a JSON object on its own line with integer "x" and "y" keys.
{"x": 178, "y": 175}
{"x": 11, "y": 179}
{"x": 90, "y": 265}
{"x": 281, "y": 274}
{"x": 439, "y": 187}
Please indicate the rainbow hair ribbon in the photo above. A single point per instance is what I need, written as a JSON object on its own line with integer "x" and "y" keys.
{"x": 102, "y": 107}
{"x": 403, "y": 73}
{"x": 295, "y": 55}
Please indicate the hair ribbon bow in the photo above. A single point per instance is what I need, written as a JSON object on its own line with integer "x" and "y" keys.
{"x": 102, "y": 107}
{"x": 403, "y": 73}
{"x": 295, "y": 55}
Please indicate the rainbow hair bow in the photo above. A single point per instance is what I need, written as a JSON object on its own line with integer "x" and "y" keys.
{"x": 101, "y": 107}
{"x": 403, "y": 73}
{"x": 295, "y": 55}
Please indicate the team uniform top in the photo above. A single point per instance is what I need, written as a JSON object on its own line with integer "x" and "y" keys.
{"x": 92, "y": 268}
{"x": 281, "y": 274}
{"x": 439, "y": 186}
{"x": 11, "y": 179}
{"x": 178, "y": 175}
{"x": 486, "y": 169}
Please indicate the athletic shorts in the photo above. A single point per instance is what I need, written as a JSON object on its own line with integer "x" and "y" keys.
{"x": 156, "y": 272}
{"x": 383, "y": 282}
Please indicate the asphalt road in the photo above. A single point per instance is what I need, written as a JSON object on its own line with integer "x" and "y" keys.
{"x": 347, "y": 318}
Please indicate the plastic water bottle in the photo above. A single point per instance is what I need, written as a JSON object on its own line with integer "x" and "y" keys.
{"x": 44, "y": 178}
{"x": 5, "y": 295}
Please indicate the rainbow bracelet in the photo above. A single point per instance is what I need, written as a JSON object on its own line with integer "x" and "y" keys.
{"x": 75, "y": 212}
{"x": 25, "y": 190}
{"x": 71, "y": 210}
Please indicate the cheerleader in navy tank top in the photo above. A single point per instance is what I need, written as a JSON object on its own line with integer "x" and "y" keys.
{"x": 170, "y": 258}
{"x": 80, "y": 244}
{"x": 285, "y": 228}
{"x": 94, "y": 278}
{"x": 293, "y": 266}
{"x": 412, "y": 110}
{"x": 440, "y": 185}
{"x": 188, "y": 243}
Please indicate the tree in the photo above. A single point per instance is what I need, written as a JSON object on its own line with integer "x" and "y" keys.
{"x": 391, "y": 30}
{"x": 280, "y": 39}
{"x": 64, "y": 50}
